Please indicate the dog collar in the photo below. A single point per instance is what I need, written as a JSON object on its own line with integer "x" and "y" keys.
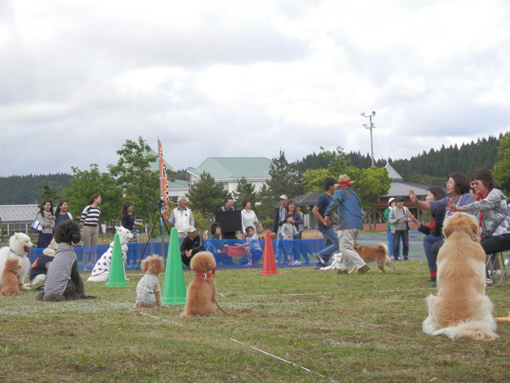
{"x": 205, "y": 276}
{"x": 14, "y": 252}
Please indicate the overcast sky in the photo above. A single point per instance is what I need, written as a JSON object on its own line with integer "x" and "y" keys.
{"x": 246, "y": 78}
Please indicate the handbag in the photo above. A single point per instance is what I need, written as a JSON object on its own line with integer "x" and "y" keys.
{"x": 260, "y": 228}
{"x": 36, "y": 226}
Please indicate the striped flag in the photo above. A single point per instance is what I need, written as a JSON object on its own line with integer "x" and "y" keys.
{"x": 163, "y": 181}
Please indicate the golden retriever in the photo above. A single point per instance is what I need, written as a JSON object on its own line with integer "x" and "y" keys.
{"x": 378, "y": 254}
{"x": 461, "y": 308}
{"x": 202, "y": 289}
{"x": 10, "y": 278}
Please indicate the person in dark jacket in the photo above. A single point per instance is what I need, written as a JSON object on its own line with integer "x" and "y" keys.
{"x": 191, "y": 245}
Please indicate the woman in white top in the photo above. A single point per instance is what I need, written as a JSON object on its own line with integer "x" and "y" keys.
{"x": 249, "y": 218}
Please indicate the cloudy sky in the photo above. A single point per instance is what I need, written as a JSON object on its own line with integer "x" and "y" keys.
{"x": 246, "y": 78}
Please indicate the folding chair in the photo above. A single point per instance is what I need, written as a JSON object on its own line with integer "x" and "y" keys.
{"x": 498, "y": 266}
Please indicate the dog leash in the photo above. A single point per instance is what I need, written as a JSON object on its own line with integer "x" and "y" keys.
{"x": 206, "y": 278}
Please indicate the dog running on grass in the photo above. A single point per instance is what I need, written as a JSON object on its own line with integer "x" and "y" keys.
{"x": 148, "y": 290}
{"x": 378, "y": 254}
{"x": 10, "y": 278}
{"x": 202, "y": 289}
{"x": 461, "y": 308}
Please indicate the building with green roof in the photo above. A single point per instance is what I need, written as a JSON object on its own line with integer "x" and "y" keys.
{"x": 227, "y": 170}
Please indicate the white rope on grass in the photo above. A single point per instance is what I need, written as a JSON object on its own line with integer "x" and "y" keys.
{"x": 233, "y": 340}
{"x": 281, "y": 359}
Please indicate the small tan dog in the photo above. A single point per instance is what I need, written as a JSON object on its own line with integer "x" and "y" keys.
{"x": 378, "y": 254}
{"x": 148, "y": 290}
{"x": 461, "y": 308}
{"x": 10, "y": 278}
{"x": 202, "y": 289}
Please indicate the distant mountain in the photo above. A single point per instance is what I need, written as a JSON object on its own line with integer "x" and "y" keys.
{"x": 436, "y": 164}
{"x": 19, "y": 190}
{"x": 427, "y": 168}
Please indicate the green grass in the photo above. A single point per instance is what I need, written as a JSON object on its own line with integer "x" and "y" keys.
{"x": 343, "y": 328}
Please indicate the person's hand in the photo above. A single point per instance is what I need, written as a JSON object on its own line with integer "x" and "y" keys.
{"x": 452, "y": 206}
{"x": 188, "y": 253}
{"x": 412, "y": 196}
{"x": 413, "y": 218}
{"x": 327, "y": 221}
{"x": 398, "y": 219}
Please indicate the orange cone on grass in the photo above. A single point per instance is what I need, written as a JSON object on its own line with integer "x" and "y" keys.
{"x": 174, "y": 288}
{"x": 268, "y": 263}
{"x": 117, "y": 275}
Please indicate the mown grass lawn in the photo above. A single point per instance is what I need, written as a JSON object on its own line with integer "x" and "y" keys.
{"x": 306, "y": 326}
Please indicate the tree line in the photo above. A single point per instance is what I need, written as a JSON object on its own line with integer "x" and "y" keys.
{"x": 132, "y": 178}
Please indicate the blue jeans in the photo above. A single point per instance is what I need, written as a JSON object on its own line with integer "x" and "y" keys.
{"x": 332, "y": 246}
{"x": 390, "y": 244}
{"x": 404, "y": 234}
{"x": 428, "y": 241}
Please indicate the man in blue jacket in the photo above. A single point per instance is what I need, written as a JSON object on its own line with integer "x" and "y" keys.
{"x": 350, "y": 222}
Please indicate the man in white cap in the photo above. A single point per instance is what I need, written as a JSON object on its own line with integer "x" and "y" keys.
{"x": 279, "y": 219}
{"x": 391, "y": 204}
{"x": 191, "y": 245}
{"x": 350, "y": 222}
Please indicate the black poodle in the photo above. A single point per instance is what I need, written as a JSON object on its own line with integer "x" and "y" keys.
{"x": 63, "y": 281}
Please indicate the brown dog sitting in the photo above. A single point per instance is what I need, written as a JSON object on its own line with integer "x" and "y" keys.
{"x": 10, "y": 278}
{"x": 202, "y": 289}
{"x": 378, "y": 254}
{"x": 461, "y": 308}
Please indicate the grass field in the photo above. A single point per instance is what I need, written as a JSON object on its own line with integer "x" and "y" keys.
{"x": 306, "y": 326}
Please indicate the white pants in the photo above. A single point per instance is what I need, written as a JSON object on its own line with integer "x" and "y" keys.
{"x": 347, "y": 239}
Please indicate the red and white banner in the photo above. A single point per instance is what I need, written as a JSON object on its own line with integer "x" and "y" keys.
{"x": 163, "y": 181}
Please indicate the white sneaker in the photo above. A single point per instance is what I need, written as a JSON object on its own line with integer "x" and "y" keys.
{"x": 296, "y": 262}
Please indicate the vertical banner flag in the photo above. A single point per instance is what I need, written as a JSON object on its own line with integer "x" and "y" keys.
{"x": 163, "y": 181}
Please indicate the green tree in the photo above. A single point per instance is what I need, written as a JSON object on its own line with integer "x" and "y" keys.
{"x": 314, "y": 179}
{"x": 501, "y": 171}
{"x": 244, "y": 190}
{"x": 48, "y": 194}
{"x": 137, "y": 179}
{"x": 84, "y": 183}
{"x": 285, "y": 178}
{"x": 266, "y": 203}
{"x": 206, "y": 196}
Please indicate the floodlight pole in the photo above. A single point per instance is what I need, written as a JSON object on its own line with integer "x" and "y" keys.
{"x": 370, "y": 126}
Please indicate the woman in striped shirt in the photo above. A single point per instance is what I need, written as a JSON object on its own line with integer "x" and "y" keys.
{"x": 89, "y": 224}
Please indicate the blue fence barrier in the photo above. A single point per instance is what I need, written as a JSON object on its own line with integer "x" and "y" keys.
{"x": 226, "y": 252}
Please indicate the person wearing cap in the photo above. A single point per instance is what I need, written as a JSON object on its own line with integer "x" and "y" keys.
{"x": 181, "y": 218}
{"x": 399, "y": 218}
{"x": 279, "y": 219}
{"x": 350, "y": 222}
{"x": 191, "y": 245}
{"x": 391, "y": 204}
{"x": 324, "y": 224}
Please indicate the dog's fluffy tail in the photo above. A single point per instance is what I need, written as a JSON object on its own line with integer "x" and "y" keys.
{"x": 477, "y": 330}
{"x": 382, "y": 247}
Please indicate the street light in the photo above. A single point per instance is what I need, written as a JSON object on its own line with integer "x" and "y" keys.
{"x": 370, "y": 126}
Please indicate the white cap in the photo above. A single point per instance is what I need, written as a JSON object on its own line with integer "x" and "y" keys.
{"x": 283, "y": 196}
{"x": 190, "y": 229}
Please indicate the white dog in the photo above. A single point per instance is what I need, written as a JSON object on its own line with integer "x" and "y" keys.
{"x": 335, "y": 264}
{"x": 461, "y": 308}
{"x": 19, "y": 246}
{"x": 102, "y": 268}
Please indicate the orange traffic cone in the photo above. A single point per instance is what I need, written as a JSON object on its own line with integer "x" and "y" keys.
{"x": 269, "y": 263}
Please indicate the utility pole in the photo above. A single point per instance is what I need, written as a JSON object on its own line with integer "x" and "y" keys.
{"x": 370, "y": 126}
